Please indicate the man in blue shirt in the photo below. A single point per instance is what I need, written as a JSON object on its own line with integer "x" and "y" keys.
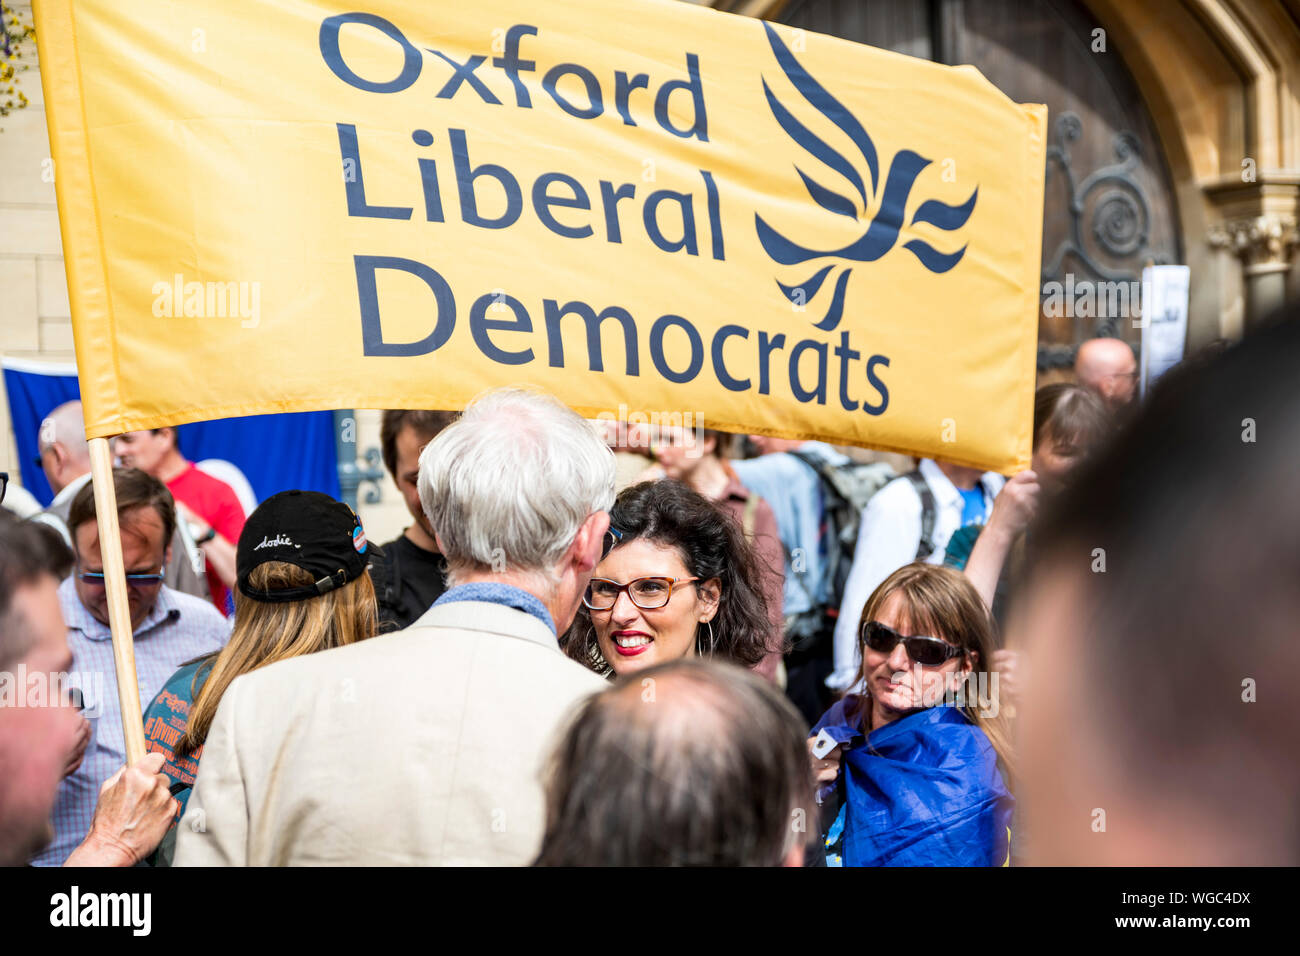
{"x": 169, "y": 629}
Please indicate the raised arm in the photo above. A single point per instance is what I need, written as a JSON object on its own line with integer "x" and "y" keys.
{"x": 1013, "y": 509}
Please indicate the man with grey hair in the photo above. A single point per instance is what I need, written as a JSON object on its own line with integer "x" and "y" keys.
{"x": 425, "y": 746}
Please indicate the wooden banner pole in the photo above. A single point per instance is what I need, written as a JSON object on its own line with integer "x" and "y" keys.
{"x": 119, "y": 611}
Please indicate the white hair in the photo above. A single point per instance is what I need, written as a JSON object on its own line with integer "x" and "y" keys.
{"x": 510, "y": 482}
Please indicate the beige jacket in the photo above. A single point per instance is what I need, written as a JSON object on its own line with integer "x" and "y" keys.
{"x": 421, "y": 747}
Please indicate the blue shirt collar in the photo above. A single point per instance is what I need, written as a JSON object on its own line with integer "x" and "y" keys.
{"x": 493, "y": 593}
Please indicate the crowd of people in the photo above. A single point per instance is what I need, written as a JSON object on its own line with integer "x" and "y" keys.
{"x": 674, "y": 652}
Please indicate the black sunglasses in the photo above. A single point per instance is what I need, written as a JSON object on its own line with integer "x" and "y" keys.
{"x": 4, "y": 484}
{"x": 926, "y": 651}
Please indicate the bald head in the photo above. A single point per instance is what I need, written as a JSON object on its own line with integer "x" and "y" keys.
{"x": 1108, "y": 367}
{"x": 677, "y": 709}
{"x": 65, "y": 456}
{"x": 691, "y": 763}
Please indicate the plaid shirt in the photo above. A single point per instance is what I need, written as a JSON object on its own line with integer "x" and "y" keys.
{"x": 179, "y": 628}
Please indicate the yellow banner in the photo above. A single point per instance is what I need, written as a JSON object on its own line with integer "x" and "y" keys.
{"x": 646, "y": 208}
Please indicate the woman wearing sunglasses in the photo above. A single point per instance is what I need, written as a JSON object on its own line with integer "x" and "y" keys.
{"x": 917, "y": 776}
{"x": 678, "y": 579}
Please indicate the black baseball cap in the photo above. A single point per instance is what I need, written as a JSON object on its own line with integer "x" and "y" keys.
{"x": 309, "y": 530}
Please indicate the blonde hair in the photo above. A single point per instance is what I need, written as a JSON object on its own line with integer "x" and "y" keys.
{"x": 942, "y": 602}
{"x": 265, "y": 633}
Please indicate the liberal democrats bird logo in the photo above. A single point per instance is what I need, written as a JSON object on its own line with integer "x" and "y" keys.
{"x": 883, "y": 230}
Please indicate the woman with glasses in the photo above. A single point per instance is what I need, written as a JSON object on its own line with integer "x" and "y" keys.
{"x": 303, "y": 587}
{"x": 700, "y": 459}
{"x": 913, "y": 770}
{"x": 678, "y": 579}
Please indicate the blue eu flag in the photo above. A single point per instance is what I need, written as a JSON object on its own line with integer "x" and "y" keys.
{"x": 924, "y": 790}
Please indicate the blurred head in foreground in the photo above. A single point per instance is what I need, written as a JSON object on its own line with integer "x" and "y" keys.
{"x": 1162, "y": 720}
{"x": 38, "y": 729}
{"x": 692, "y": 763}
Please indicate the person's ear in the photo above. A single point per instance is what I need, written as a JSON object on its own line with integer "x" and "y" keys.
{"x": 710, "y": 595}
{"x": 587, "y": 543}
{"x": 59, "y": 460}
{"x": 167, "y": 555}
{"x": 438, "y": 541}
{"x": 963, "y": 673}
{"x": 795, "y": 856}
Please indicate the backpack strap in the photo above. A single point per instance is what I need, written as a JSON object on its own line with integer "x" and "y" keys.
{"x": 392, "y": 586}
{"x": 825, "y": 485}
{"x": 388, "y": 594}
{"x": 925, "y": 547}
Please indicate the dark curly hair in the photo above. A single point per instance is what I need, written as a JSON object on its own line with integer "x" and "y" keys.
{"x": 712, "y": 545}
